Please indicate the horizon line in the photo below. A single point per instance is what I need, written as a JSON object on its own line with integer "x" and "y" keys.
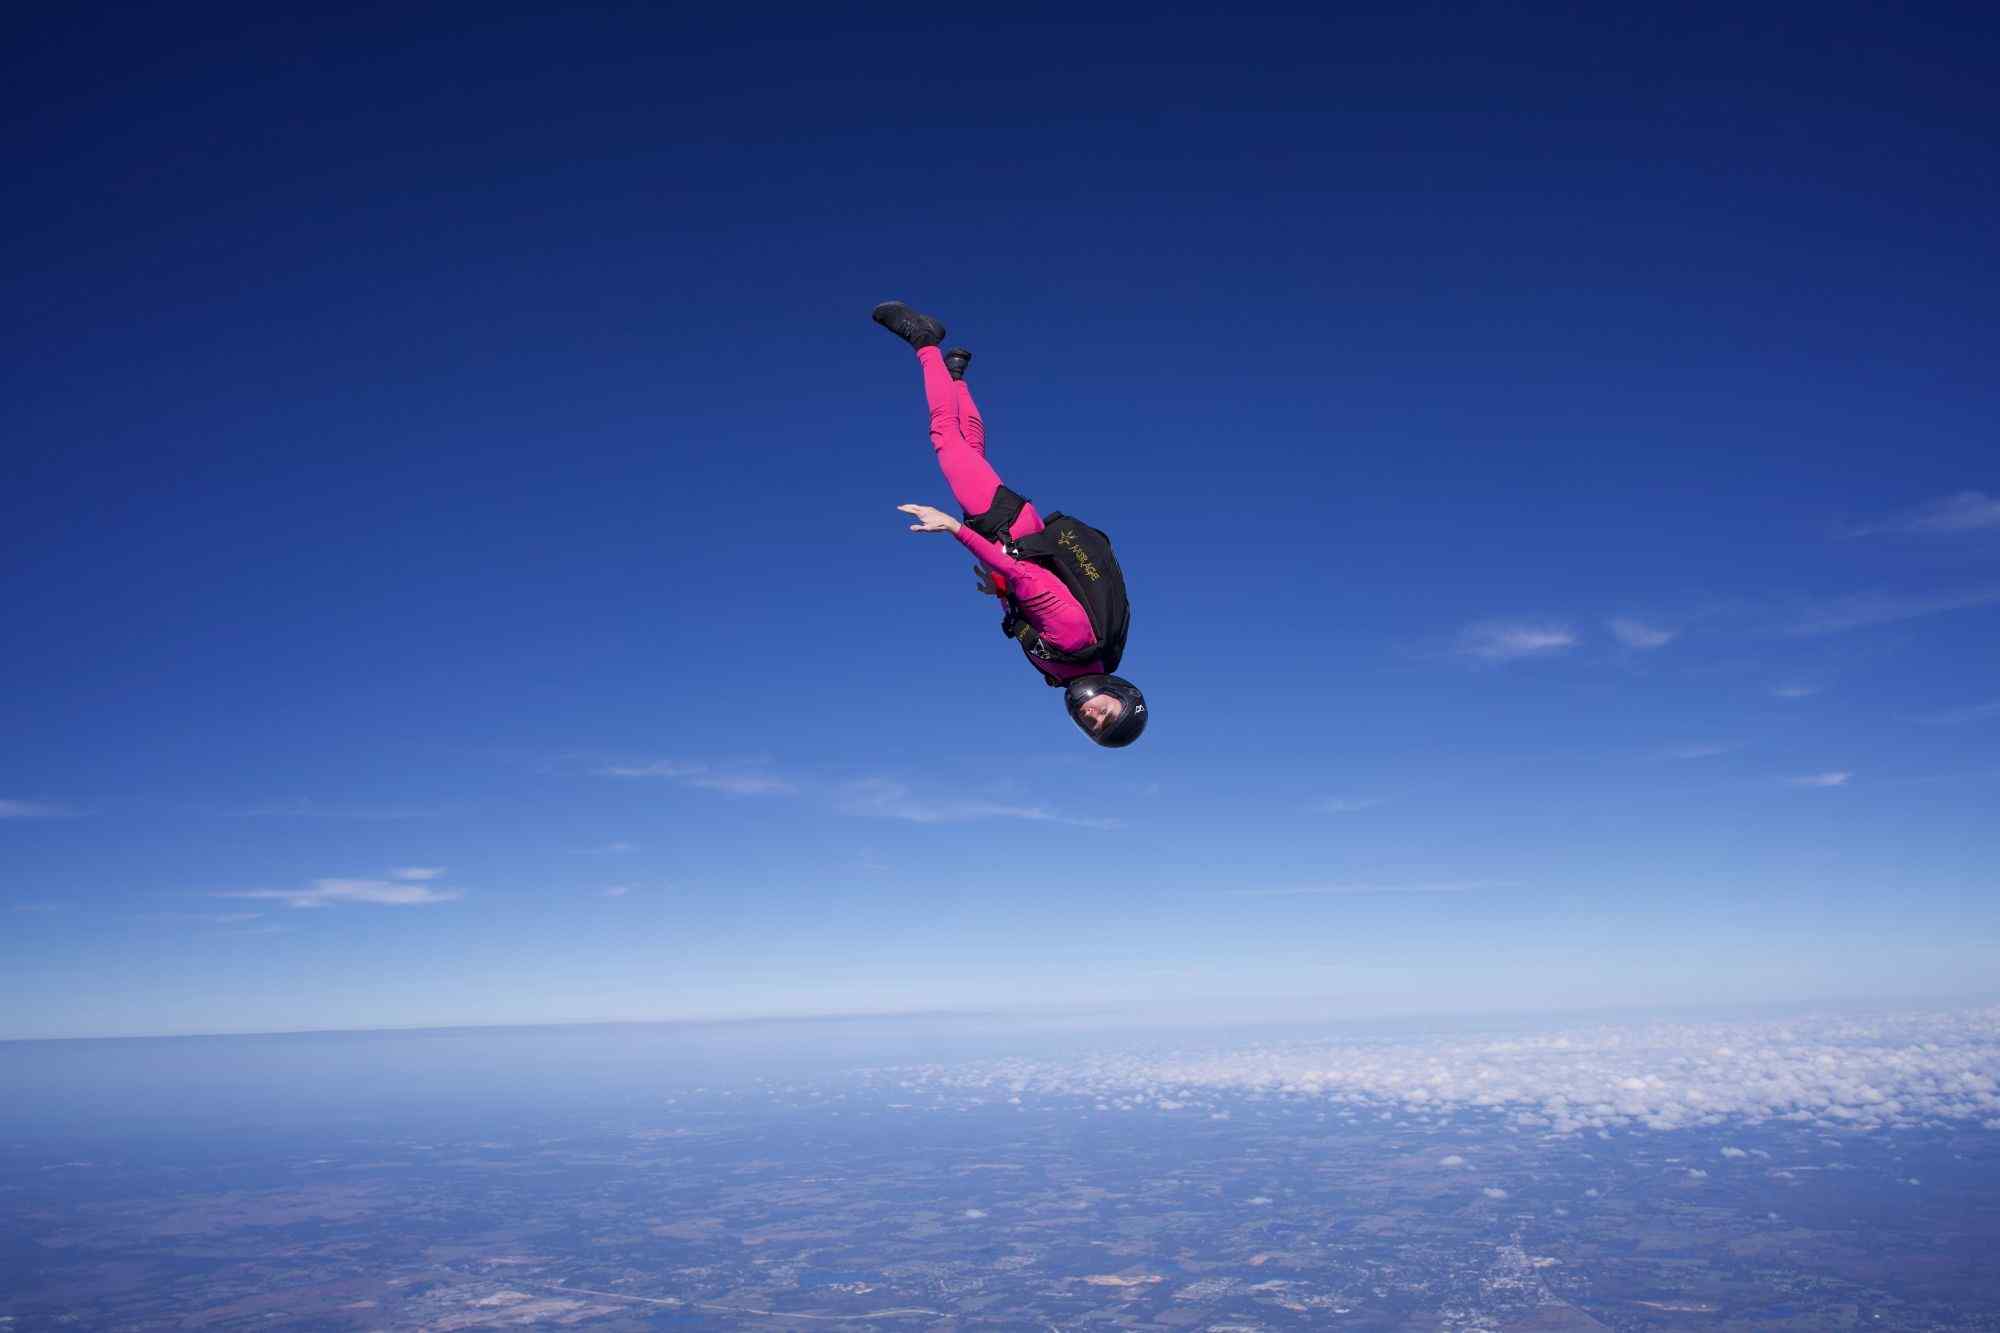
{"x": 1897, "y": 1003}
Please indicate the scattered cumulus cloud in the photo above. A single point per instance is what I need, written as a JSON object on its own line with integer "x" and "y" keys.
{"x": 1965, "y": 511}
{"x": 1638, "y": 634}
{"x": 1453, "y": 1160}
{"x": 1836, "y": 778}
{"x": 1509, "y": 641}
{"x": 1834, "y": 1072}
{"x": 1734, "y": 1152}
{"x": 1494, "y": 1192}
{"x": 975, "y": 1212}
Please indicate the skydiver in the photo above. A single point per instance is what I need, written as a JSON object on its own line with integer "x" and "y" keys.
{"x": 1060, "y": 582}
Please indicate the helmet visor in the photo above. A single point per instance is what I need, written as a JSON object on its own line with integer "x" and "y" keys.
{"x": 1110, "y": 710}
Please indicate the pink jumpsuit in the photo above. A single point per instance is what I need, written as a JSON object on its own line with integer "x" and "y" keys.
{"x": 959, "y": 437}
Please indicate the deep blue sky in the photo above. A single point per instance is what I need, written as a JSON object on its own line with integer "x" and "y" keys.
{"x": 1552, "y": 454}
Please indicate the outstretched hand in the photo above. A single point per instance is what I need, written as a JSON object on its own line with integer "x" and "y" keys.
{"x": 929, "y": 519}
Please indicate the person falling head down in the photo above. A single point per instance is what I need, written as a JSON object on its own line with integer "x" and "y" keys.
{"x": 1074, "y": 640}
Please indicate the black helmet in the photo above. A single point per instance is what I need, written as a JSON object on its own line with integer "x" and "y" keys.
{"x": 1130, "y": 722}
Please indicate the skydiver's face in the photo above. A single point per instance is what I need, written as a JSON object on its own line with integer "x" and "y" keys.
{"x": 1100, "y": 712}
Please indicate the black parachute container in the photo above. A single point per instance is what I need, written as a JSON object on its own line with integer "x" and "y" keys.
{"x": 1078, "y": 554}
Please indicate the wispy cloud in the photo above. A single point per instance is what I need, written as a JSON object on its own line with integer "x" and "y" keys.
{"x": 616, "y": 890}
{"x": 1508, "y": 641}
{"x": 658, "y": 768}
{"x": 1638, "y": 634}
{"x": 1699, "y": 750}
{"x": 209, "y": 918}
{"x": 1794, "y": 691}
{"x": 1952, "y": 717}
{"x": 1835, "y": 778}
{"x": 1964, "y": 511}
{"x": 1359, "y": 887}
{"x": 1864, "y": 610}
{"x": 334, "y": 892}
{"x": 734, "y": 782}
{"x": 1344, "y": 805}
{"x": 883, "y": 798}
{"x": 417, "y": 872}
{"x": 310, "y": 809}
{"x": 609, "y": 848}
{"x": 744, "y": 784}
{"x": 36, "y": 810}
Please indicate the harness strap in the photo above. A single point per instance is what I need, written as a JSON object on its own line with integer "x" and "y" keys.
{"x": 997, "y": 523}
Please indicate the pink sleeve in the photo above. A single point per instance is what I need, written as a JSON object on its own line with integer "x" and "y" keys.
{"x": 990, "y": 554}
{"x": 1048, "y": 605}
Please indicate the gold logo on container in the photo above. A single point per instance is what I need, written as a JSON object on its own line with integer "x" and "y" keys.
{"x": 1067, "y": 538}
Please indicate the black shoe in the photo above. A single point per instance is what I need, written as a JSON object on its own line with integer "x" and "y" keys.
{"x": 956, "y": 360}
{"x": 915, "y": 329}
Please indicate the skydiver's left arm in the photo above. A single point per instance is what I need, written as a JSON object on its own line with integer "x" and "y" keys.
{"x": 1050, "y": 607}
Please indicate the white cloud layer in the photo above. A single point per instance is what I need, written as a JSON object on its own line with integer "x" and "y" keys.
{"x": 1897, "y": 1071}
{"x": 1965, "y": 511}
{"x": 1508, "y": 641}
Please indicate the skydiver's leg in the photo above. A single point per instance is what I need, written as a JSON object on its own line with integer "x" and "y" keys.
{"x": 973, "y": 480}
{"x": 958, "y": 436}
{"x": 970, "y": 424}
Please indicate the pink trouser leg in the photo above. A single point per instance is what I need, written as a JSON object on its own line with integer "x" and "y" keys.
{"x": 959, "y": 437}
{"x": 970, "y": 424}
